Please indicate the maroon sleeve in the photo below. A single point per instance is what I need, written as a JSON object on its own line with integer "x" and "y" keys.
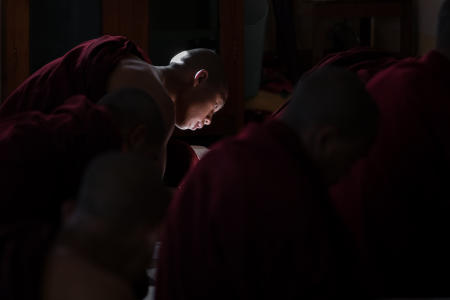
{"x": 83, "y": 70}
{"x": 193, "y": 235}
{"x": 395, "y": 199}
{"x": 43, "y": 156}
{"x": 247, "y": 224}
{"x": 365, "y": 62}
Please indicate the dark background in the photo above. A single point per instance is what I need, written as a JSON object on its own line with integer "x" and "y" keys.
{"x": 57, "y": 26}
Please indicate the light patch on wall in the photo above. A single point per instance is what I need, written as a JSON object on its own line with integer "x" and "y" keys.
{"x": 427, "y": 42}
{"x": 428, "y": 11}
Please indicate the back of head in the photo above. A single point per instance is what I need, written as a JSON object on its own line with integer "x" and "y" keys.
{"x": 123, "y": 190}
{"x": 132, "y": 107}
{"x": 333, "y": 97}
{"x": 335, "y": 118}
{"x": 201, "y": 58}
{"x": 443, "y": 28}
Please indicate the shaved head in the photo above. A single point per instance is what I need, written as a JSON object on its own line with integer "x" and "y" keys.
{"x": 443, "y": 29}
{"x": 201, "y": 58}
{"x": 335, "y": 118}
{"x": 333, "y": 97}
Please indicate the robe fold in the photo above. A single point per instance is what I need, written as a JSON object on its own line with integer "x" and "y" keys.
{"x": 42, "y": 158}
{"x": 83, "y": 70}
{"x": 365, "y": 62}
{"x": 397, "y": 199}
{"x": 253, "y": 221}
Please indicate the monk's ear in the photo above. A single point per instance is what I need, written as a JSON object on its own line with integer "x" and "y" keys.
{"x": 137, "y": 136}
{"x": 200, "y": 77}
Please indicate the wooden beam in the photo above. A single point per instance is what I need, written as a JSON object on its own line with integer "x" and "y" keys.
{"x": 232, "y": 53}
{"x": 230, "y": 119}
{"x": 407, "y": 29}
{"x": 129, "y": 18}
{"x": 15, "y": 44}
{"x": 354, "y": 9}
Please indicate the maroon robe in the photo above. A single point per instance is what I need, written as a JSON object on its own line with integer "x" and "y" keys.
{"x": 397, "y": 200}
{"x": 83, "y": 70}
{"x": 365, "y": 62}
{"x": 253, "y": 221}
{"x": 42, "y": 159}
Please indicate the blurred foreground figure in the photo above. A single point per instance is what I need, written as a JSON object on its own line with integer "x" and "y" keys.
{"x": 254, "y": 220}
{"x": 397, "y": 200}
{"x": 105, "y": 246}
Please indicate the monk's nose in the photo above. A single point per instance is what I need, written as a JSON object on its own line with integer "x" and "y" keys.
{"x": 207, "y": 121}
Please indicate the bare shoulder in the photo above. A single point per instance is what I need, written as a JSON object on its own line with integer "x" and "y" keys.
{"x": 133, "y": 72}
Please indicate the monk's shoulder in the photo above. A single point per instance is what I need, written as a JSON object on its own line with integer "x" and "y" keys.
{"x": 407, "y": 72}
{"x": 249, "y": 149}
{"x": 128, "y": 72}
{"x": 133, "y": 72}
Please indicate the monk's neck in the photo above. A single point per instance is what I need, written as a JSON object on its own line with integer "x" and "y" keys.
{"x": 169, "y": 79}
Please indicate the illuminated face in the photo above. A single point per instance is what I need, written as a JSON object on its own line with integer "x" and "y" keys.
{"x": 196, "y": 109}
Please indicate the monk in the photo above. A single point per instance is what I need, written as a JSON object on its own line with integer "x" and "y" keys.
{"x": 397, "y": 199}
{"x": 254, "y": 221}
{"x": 193, "y": 85}
{"x": 105, "y": 246}
{"x": 43, "y": 157}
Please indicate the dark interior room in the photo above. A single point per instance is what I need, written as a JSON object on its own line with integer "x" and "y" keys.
{"x": 224, "y": 149}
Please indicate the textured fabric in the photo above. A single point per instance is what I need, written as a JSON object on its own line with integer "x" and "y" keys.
{"x": 42, "y": 158}
{"x": 83, "y": 70}
{"x": 365, "y": 62}
{"x": 253, "y": 221}
{"x": 396, "y": 200}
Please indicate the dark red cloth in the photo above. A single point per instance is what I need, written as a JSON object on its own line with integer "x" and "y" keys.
{"x": 365, "y": 62}
{"x": 397, "y": 200}
{"x": 253, "y": 221}
{"x": 83, "y": 70}
{"x": 42, "y": 158}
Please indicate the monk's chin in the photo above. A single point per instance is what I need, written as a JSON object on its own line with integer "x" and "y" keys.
{"x": 187, "y": 127}
{"x": 182, "y": 127}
